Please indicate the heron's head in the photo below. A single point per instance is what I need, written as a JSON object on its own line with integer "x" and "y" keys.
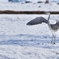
{"x": 48, "y": 12}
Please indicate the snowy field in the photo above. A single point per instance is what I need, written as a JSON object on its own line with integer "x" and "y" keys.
{"x": 29, "y": 6}
{"x": 19, "y": 41}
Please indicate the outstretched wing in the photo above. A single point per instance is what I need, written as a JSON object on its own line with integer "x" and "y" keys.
{"x": 37, "y": 20}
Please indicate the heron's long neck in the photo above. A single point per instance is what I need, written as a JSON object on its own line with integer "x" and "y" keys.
{"x": 48, "y": 19}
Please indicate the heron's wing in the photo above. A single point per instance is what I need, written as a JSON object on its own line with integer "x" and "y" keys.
{"x": 37, "y": 20}
{"x": 57, "y": 24}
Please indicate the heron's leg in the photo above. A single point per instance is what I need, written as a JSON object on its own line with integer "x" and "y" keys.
{"x": 53, "y": 38}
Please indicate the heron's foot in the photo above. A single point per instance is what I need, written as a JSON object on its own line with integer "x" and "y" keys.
{"x": 52, "y": 42}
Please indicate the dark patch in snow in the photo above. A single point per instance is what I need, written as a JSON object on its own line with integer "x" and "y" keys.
{"x": 27, "y": 12}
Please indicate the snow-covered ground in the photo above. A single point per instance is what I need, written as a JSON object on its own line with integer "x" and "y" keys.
{"x": 29, "y": 6}
{"x": 19, "y": 41}
{"x": 25, "y": 52}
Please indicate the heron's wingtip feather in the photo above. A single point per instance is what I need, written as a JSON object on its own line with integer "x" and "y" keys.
{"x": 28, "y": 24}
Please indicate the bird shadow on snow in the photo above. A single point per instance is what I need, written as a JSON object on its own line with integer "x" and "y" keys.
{"x": 27, "y": 40}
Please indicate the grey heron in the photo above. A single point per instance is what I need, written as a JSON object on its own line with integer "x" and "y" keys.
{"x": 53, "y": 27}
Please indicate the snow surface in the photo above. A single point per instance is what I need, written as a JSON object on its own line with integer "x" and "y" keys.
{"x": 1, "y": 1}
{"x": 25, "y": 52}
{"x": 29, "y": 6}
{"x": 33, "y": 0}
{"x": 16, "y": 24}
{"x": 19, "y": 41}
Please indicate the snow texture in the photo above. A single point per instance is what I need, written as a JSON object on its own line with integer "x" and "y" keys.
{"x": 29, "y": 6}
{"x": 19, "y": 41}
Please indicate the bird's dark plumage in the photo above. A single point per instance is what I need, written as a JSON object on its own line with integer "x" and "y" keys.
{"x": 55, "y": 27}
{"x": 37, "y": 20}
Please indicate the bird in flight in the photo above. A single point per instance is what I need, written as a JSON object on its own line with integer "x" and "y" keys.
{"x": 52, "y": 27}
